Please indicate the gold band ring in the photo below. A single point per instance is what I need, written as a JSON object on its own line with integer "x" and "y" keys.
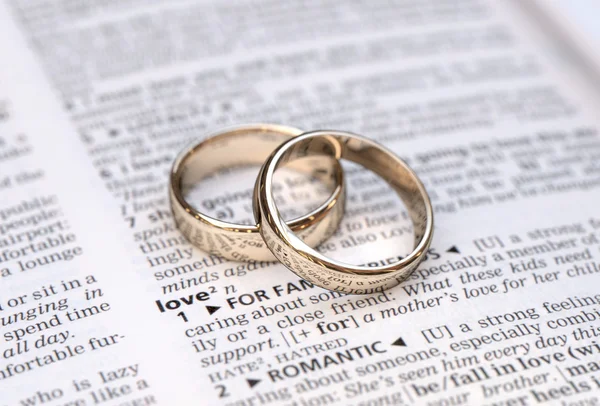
{"x": 249, "y": 145}
{"x": 305, "y": 261}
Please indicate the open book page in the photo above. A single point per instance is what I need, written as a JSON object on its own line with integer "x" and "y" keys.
{"x": 102, "y": 301}
{"x": 574, "y": 25}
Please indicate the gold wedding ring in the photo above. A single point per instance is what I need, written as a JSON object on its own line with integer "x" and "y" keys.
{"x": 240, "y": 146}
{"x": 305, "y": 261}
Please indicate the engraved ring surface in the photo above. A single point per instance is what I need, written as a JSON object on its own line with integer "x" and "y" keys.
{"x": 307, "y": 262}
{"x": 241, "y": 146}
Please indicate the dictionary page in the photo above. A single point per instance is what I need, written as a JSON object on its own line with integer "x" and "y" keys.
{"x": 102, "y": 301}
{"x": 66, "y": 309}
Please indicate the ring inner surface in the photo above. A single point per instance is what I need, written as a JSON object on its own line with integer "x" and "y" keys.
{"x": 237, "y": 148}
{"x": 213, "y": 159}
{"x": 369, "y": 155}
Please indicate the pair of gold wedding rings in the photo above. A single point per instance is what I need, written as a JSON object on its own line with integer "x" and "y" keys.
{"x": 293, "y": 243}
